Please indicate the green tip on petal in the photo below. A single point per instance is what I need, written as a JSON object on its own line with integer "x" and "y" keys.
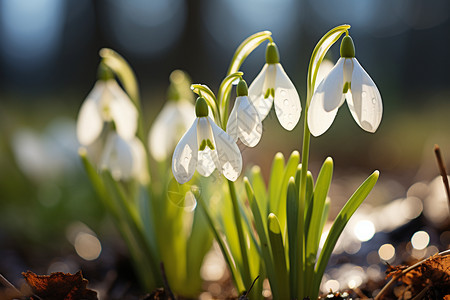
{"x": 242, "y": 88}
{"x": 104, "y": 72}
{"x": 347, "y": 47}
{"x": 201, "y": 107}
{"x": 272, "y": 54}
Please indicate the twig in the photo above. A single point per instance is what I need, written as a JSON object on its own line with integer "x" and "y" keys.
{"x": 385, "y": 288}
{"x": 166, "y": 283}
{"x": 10, "y": 286}
{"x": 441, "y": 165}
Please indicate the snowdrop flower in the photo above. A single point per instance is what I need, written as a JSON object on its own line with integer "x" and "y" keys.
{"x": 174, "y": 119}
{"x": 107, "y": 102}
{"x": 205, "y": 147}
{"x": 125, "y": 159}
{"x": 273, "y": 85}
{"x": 347, "y": 80}
{"x": 244, "y": 121}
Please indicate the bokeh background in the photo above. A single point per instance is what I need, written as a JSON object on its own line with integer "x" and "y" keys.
{"x": 48, "y": 62}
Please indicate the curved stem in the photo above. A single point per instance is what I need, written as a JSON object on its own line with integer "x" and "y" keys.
{"x": 238, "y": 220}
{"x": 316, "y": 58}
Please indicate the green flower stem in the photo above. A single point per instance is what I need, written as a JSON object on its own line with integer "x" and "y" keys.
{"x": 242, "y": 243}
{"x": 316, "y": 58}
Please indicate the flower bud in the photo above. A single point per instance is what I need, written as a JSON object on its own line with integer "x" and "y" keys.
{"x": 201, "y": 107}
{"x": 272, "y": 54}
{"x": 242, "y": 89}
{"x": 347, "y": 47}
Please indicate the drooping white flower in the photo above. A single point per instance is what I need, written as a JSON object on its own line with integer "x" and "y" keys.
{"x": 205, "y": 147}
{"x": 105, "y": 103}
{"x": 244, "y": 121}
{"x": 125, "y": 158}
{"x": 347, "y": 80}
{"x": 273, "y": 85}
{"x": 174, "y": 119}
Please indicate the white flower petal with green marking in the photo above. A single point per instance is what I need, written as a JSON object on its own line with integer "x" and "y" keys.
{"x": 347, "y": 80}
{"x": 365, "y": 101}
{"x": 185, "y": 155}
{"x": 273, "y": 85}
{"x": 244, "y": 122}
{"x": 257, "y": 92}
{"x": 206, "y": 147}
{"x": 168, "y": 127}
{"x": 228, "y": 153}
{"x": 287, "y": 100}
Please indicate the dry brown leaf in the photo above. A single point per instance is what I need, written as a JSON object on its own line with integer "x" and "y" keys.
{"x": 59, "y": 286}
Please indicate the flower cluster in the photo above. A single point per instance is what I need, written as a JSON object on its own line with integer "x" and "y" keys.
{"x": 108, "y": 106}
{"x": 206, "y": 146}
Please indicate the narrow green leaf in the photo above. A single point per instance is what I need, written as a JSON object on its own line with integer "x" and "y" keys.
{"x": 279, "y": 257}
{"x": 123, "y": 71}
{"x": 292, "y": 212}
{"x": 309, "y": 202}
{"x": 313, "y": 239}
{"x": 198, "y": 244}
{"x": 246, "y": 47}
{"x": 262, "y": 234}
{"x": 289, "y": 171}
{"x": 338, "y": 226}
{"x": 276, "y": 177}
{"x": 223, "y": 247}
{"x": 260, "y": 189}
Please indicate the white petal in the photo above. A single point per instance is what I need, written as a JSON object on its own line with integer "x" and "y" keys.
{"x": 90, "y": 121}
{"x": 139, "y": 171}
{"x": 117, "y": 157}
{"x": 232, "y": 123}
{"x": 249, "y": 123}
{"x": 205, "y": 165}
{"x": 326, "y": 100}
{"x": 228, "y": 153}
{"x": 324, "y": 68}
{"x": 365, "y": 102}
{"x": 185, "y": 156}
{"x": 258, "y": 89}
{"x": 287, "y": 100}
{"x": 169, "y": 126}
{"x": 123, "y": 111}
{"x": 204, "y": 131}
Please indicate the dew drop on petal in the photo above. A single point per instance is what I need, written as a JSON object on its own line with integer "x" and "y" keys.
{"x": 290, "y": 116}
{"x": 283, "y": 93}
{"x": 286, "y": 102}
{"x": 295, "y": 108}
{"x": 374, "y": 101}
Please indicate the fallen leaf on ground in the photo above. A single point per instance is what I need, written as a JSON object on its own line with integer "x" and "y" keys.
{"x": 59, "y": 286}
